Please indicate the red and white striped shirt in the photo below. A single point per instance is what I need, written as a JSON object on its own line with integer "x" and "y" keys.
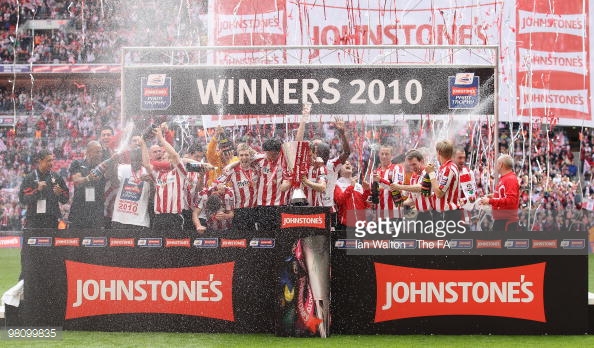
{"x": 194, "y": 182}
{"x": 271, "y": 176}
{"x": 316, "y": 175}
{"x": 448, "y": 180}
{"x": 245, "y": 185}
{"x": 394, "y": 173}
{"x": 228, "y": 205}
{"x": 422, "y": 203}
{"x": 170, "y": 190}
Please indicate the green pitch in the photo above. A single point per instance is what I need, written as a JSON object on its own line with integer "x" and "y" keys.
{"x": 119, "y": 339}
{"x": 10, "y": 268}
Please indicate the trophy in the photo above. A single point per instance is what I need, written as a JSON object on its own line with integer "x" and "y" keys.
{"x": 298, "y": 158}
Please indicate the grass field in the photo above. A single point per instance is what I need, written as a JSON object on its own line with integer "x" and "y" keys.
{"x": 101, "y": 339}
{"x": 10, "y": 268}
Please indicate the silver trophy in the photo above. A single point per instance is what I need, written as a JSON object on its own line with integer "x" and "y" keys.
{"x": 298, "y": 158}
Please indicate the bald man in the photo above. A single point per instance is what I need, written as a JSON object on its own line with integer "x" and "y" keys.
{"x": 506, "y": 196}
{"x": 156, "y": 153}
{"x": 88, "y": 201}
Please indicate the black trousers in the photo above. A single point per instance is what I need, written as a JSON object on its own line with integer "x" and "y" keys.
{"x": 41, "y": 221}
{"x": 505, "y": 225}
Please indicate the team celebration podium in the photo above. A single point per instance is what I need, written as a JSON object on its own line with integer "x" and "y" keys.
{"x": 285, "y": 273}
{"x": 272, "y": 276}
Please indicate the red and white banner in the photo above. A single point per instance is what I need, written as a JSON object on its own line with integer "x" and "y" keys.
{"x": 248, "y": 23}
{"x": 513, "y": 292}
{"x": 173, "y": 242}
{"x": 377, "y": 22}
{"x": 67, "y": 242}
{"x": 77, "y": 68}
{"x": 549, "y": 243}
{"x": 121, "y": 242}
{"x": 233, "y": 243}
{"x": 204, "y": 291}
{"x": 552, "y": 60}
{"x": 10, "y": 242}
{"x": 298, "y": 220}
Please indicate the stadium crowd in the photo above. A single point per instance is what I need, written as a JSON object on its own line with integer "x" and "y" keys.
{"x": 64, "y": 121}
{"x": 94, "y": 34}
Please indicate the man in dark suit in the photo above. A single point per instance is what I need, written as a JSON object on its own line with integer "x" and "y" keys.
{"x": 41, "y": 191}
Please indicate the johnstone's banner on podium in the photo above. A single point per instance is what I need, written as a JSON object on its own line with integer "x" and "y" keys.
{"x": 257, "y": 90}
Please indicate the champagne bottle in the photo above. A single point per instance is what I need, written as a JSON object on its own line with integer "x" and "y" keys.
{"x": 101, "y": 168}
{"x": 397, "y": 197}
{"x": 426, "y": 185}
{"x": 148, "y": 134}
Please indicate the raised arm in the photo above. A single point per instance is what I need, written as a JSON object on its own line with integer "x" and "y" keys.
{"x": 408, "y": 188}
{"x": 305, "y": 112}
{"x": 346, "y": 148}
{"x": 212, "y": 156}
{"x": 173, "y": 155}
